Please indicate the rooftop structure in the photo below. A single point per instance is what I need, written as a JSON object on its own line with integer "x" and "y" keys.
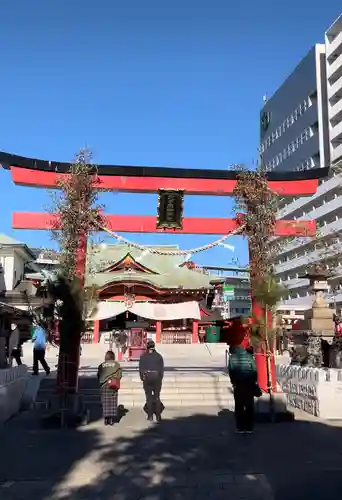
{"x": 14, "y": 255}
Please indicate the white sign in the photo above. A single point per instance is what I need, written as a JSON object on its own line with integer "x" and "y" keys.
{"x": 302, "y": 396}
{"x": 303, "y": 403}
{"x": 315, "y": 391}
{"x": 300, "y": 388}
{"x": 320, "y": 285}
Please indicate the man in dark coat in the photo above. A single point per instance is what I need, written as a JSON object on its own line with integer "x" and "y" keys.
{"x": 151, "y": 368}
{"x": 243, "y": 376}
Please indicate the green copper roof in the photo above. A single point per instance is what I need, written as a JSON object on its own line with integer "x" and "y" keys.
{"x": 7, "y": 240}
{"x": 11, "y": 242}
{"x": 111, "y": 254}
{"x": 166, "y": 271}
{"x": 182, "y": 279}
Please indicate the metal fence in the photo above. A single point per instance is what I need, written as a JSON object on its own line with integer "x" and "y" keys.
{"x": 87, "y": 338}
{"x": 176, "y": 338}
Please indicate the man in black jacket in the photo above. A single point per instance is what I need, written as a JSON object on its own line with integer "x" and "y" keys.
{"x": 151, "y": 368}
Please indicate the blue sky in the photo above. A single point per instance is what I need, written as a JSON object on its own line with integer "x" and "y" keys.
{"x": 173, "y": 83}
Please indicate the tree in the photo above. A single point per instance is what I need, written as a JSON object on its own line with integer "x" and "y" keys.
{"x": 78, "y": 215}
{"x": 256, "y": 205}
{"x": 268, "y": 292}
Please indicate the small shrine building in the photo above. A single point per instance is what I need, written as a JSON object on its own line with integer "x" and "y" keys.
{"x": 143, "y": 289}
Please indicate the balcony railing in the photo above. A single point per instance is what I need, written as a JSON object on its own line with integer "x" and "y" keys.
{"x": 334, "y": 66}
{"x": 303, "y": 201}
{"x": 335, "y": 45}
{"x": 335, "y": 89}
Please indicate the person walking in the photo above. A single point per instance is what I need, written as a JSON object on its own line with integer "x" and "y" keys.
{"x": 39, "y": 349}
{"x": 109, "y": 375}
{"x": 243, "y": 376}
{"x": 151, "y": 369}
{"x": 14, "y": 346}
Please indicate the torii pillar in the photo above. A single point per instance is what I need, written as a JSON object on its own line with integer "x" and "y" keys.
{"x": 283, "y": 228}
{"x": 68, "y": 366}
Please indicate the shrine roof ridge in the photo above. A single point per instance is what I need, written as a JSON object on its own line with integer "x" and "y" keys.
{"x": 177, "y": 280}
{"x": 8, "y": 160}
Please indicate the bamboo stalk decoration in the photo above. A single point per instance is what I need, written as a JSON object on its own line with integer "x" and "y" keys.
{"x": 268, "y": 363}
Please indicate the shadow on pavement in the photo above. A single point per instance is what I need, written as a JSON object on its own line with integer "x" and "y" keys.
{"x": 186, "y": 456}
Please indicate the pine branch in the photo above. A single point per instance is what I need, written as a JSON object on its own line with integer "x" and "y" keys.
{"x": 77, "y": 209}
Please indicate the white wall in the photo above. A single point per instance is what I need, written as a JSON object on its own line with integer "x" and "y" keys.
{"x": 13, "y": 262}
{"x": 7, "y": 261}
{"x": 12, "y": 387}
{"x": 2, "y": 274}
{"x": 18, "y": 267}
{"x": 315, "y": 391}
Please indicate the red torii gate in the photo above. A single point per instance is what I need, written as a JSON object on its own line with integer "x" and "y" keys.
{"x": 45, "y": 174}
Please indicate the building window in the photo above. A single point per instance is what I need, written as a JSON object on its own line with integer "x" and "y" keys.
{"x": 305, "y": 165}
{"x": 287, "y": 122}
{"x": 291, "y": 148}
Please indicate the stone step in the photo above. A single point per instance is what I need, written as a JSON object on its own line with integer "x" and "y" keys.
{"x": 183, "y": 388}
{"x": 134, "y": 384}
{"x": 166, "y": 389}
{"x": 182, "y": 393}
{"x": 136, "y": 394}
{"x": 138, "y": 390}
{"x": 175, "y": 375}
{"x": 99, "y": 350}
{"x": 173, "y": 402}
{"x": 92, "y": 382}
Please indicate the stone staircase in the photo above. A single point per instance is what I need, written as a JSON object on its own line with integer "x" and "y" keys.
{"x": 191, "y": 352}
{"x": 185, "y": 388}
{"x": 194, "y": 377}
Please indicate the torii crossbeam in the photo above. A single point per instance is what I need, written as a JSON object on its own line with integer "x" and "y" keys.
{"x": 147, "y": 224}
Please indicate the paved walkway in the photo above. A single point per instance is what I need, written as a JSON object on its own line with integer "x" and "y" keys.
{"x": 189, "y": 456}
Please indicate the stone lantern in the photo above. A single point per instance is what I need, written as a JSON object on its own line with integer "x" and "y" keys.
{"x": 319, "y": 319}
{"x": 318, "y": 324}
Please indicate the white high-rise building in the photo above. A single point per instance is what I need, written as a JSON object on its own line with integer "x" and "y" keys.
{"x": 333, "y": 57}
{"x": 301, "y": 128}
